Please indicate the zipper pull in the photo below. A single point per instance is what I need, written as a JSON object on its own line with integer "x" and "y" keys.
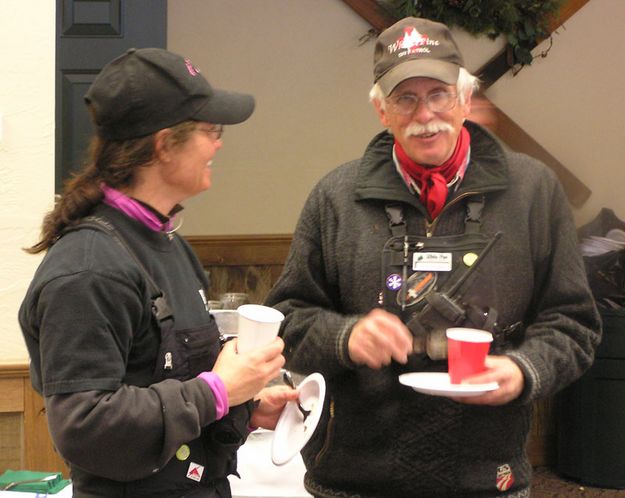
{"x": 169, "y": 364}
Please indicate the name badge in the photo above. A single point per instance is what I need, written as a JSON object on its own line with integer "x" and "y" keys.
{"x": 431, "y": 261}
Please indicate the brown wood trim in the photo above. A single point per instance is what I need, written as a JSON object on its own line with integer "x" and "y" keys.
{"x": 12, "y": 370}
{"x": 241, "y": 250}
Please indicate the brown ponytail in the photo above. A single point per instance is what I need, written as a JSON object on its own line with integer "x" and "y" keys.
{"x": 111, "y": 162}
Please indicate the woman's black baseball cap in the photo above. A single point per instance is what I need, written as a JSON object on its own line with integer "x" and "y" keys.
{"x": 148, "y": 89}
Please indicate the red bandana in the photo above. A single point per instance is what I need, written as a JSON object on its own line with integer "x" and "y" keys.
{"x": 433, "y": 181}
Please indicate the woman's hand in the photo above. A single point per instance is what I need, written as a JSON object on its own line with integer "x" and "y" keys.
{"x": 245, "y": 374}
{"x": 272, "y": 402}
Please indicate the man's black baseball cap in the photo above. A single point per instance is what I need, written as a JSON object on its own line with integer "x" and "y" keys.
{"x": 148, "y": 89}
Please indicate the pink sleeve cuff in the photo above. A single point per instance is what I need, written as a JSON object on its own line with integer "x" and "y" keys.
{"x": 219, "y": 392}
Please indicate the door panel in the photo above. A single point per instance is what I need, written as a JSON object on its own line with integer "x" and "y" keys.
{"x": 90, "y": 33}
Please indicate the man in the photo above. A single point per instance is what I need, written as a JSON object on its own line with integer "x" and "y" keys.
{"x": 438, "y": 224}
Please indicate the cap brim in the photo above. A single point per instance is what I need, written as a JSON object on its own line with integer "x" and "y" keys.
{"x": 225, "y": 107}
{"x": 447, "y": 72}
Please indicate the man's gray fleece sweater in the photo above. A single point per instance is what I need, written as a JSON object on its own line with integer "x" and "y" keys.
{"x": 378, "y": 438}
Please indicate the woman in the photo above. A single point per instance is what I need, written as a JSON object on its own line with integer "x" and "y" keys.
{"x": 141, "y": 398}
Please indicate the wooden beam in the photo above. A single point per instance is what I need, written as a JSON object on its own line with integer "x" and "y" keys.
{"x": 371, "y": 12}
{"x": 568, "y": 9}
{"x": 516, "y": 138}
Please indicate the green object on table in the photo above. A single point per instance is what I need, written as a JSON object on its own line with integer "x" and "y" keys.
{"x": 53, "y": 485}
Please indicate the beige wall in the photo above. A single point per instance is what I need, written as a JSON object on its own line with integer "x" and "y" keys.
{"x": 572, "y": 102}
{"x": 302, "y": 61}
{"x": 26, "y": 151}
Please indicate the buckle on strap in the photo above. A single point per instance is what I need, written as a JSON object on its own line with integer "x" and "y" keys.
{"x": 396, "y": 222}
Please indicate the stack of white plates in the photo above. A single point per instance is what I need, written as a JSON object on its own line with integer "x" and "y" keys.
{"x": 596, "y": 245}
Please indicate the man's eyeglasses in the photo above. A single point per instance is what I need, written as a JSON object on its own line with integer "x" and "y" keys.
{"x": 215, "y": 132}
{"x": 436, "y": 102}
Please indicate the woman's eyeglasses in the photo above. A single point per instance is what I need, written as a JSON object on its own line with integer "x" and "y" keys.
{"x": 215, "y": 132}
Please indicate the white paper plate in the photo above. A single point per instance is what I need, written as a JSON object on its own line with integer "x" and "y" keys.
{"x": 438, "y": 384}
{"x": 292, "y": 433}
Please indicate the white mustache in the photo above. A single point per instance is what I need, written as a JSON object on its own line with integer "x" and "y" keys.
{"x": 427, "y": 129}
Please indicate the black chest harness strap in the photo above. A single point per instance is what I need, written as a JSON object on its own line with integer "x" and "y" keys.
{"x": 444, "y": 306}
{"x": 160, "y": 308}
{"x": 472, "y": 220}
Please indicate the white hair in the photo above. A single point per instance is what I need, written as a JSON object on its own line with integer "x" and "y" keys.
{"x": 465, "y": 86}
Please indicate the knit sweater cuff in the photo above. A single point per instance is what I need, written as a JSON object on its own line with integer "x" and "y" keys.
{"x": 532, "y": 387}
{"x": 219, "y": 392}
{"x": 342, "y": 342}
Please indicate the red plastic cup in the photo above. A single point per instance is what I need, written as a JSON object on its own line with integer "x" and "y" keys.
{"x": 466, "y": 352}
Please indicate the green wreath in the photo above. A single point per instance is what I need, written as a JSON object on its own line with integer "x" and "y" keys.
{"x": 524, "y": 23}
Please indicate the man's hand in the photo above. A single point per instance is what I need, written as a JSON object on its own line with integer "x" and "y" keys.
{"x": 378, "y": 338}
{"x": 506, "y": 373}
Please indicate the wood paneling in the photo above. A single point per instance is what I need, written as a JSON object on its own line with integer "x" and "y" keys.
{"x": 240, "y": 250}
{"x": 11, "y": 441}
{"x": 242, "y": 263}
{"x": 12, "y": 399}
{"x": 255, "y": 281}
{"x": 24, "y": 438}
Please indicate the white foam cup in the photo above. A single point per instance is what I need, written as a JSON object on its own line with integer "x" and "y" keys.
{"x": 258, "y": 325}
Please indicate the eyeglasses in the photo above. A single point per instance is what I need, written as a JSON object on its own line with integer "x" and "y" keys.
{"x": 214, "y": 132}
{"x": 436, "y": 102}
